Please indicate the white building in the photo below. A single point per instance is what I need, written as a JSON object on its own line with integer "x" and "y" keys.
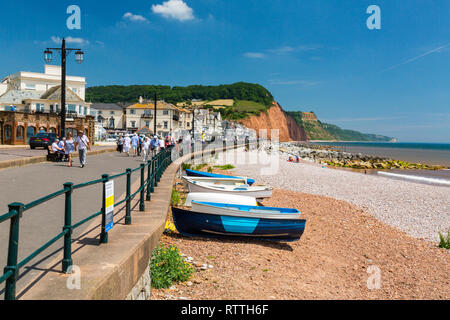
{"x": 38, "y": 92}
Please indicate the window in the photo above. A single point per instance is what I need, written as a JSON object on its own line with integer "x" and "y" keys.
{"x": 30, "y": 86}
{"x": 132, "y": 111}
{"x": 166, "y": 124}
{"x": 188, "y": 124}
{"x": 85, "y": 111}
{"x": 99, "y": 112}
{"x": 165, "y": 112}
{"x": 111, "y": 122}
{"x": 133, "y": 124}
{"x": 147, "y": 124}
{"x": 147, "y": 112}
{"x": 72, "y": 108}
{"x": 80, "y": 109}
{"x": 19, "y": 133}
{"x": 40, "y": 107}
{"x": 8, "y": 132}
{"x": 111, "y": 112}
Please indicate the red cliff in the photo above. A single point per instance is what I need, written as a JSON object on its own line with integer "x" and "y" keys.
{"x": 276, "y": 118}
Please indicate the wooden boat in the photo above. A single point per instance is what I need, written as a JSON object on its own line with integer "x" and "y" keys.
{"x": 219, "y": 198}
{"x": 218, "y": 181}
{"x": 191, "y": 223}
{"x": 238, "y": 210}
{"x": 258, "y": 192}
{"x": 193, "y": 173}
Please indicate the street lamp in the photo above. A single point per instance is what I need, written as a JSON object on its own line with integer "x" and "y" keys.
{"x": 79, "y": 58}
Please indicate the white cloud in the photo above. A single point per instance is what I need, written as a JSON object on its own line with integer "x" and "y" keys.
{"x": 254, "y": 55}
{"x": 134, "y": 17}
{"x": 79, "y": 41}
{"x": 174, "y": 9}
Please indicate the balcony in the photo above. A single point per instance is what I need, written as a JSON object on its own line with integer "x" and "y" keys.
{"x": 147, "y": 116}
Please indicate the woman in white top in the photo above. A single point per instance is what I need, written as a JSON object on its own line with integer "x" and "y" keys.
{"x": 127, "y": 145}
{"x": 146, "y": 148}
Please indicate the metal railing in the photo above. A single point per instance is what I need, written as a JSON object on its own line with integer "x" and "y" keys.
{"x": 154, "y": 167}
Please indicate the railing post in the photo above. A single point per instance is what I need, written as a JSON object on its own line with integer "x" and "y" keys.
{"x": 142, "y": 197}
{"x": 13, "y": 247}
{"x": 104, "y": 234}
{"x": 155, "y": 173}
{"x": 148, "y": 183}
{"x": 67, "y": 260}
{"x": 158, "y": 173}
{"x": 128, "y": 205}
{"x": 152, "y": 187}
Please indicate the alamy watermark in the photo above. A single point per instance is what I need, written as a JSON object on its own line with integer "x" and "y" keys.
{"x": 374, "y": 20}
{"x": 74, "y": 20}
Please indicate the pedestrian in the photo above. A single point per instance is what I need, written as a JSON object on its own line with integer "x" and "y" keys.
{"x": 146, "y": 148}
{"x": 120, "y": 144}
{"x": 161, "y": 145}
{"x": 127, "y": 144}
{"x": 140, "y": 142}
{"x": 83, "y": 145}
{"x": 69, "y": 147}
{"x": 134, "y": 144}
{"x": 62, "y": 145}
{"x": 154, "y": 145}
{"x": 58, "y": 150}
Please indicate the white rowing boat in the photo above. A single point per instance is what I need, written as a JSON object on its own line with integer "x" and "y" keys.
{"x": 219, "y": 198}
{"x": 258, "y": 192}
{"x": 217, "y": 181}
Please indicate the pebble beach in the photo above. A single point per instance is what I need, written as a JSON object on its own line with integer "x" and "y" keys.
{"x": 420, "y": 210}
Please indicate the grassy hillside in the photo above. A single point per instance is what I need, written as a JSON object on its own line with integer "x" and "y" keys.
{"x": 317, "y": 130}
{"x": 238, "y": 91}
{"x": 242, "y": 109}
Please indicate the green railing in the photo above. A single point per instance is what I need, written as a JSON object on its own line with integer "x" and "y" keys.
{"x": 155, "y": 168}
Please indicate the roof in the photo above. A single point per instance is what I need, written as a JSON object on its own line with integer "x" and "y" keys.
{"x": 54, "y": 93}
{"x": 16, "y": 96}
{"x": 106, "y": 106}
{"x": 159, "y": 106}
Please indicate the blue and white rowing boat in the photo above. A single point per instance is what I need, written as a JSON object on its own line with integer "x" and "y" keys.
{"x": 193, "y": 173}
{"x": 239, "y": 210}
{"x": 191, "y": 223}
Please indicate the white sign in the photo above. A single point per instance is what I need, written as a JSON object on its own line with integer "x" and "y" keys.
{"x": 109, "y": 205}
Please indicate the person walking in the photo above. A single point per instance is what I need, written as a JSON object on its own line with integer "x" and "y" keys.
{"x": 69, "y": 147}
{"x": 154, "y": 144}
{"x": 127, "y": 145}
{"x": 120, "y": 144}
{"x": 134, "y": 144}
{"x": 140, "y": 142}
{"x": 146, "y": 149}
{"x": 161, "y": 145}
{"x": 83, "y": 145}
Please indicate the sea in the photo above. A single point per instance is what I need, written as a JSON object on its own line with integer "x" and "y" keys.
{"x": 416, "y": 152}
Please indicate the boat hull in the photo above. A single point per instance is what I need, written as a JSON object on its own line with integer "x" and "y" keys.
{"x": 191, "y": 223}
{"x": 259, "y": 194}
{"x": 193, "y": 173}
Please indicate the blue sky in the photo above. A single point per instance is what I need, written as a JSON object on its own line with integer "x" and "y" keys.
{"x": 315, "y": 55}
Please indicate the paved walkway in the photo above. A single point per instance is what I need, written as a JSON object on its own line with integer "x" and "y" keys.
{"x": 42, "y": 223}
{"x": 26, "y": 152}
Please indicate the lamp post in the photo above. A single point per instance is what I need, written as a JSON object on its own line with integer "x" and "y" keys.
{"x": 154, "y": 124}
{"x": 79, "y": 57}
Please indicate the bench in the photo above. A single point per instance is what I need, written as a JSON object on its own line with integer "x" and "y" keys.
{"x": 53, "y": 156}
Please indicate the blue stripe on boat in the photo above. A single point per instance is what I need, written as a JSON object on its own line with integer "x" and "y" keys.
{"x": 193, "y": 173}
{"x": 239, "y": 224}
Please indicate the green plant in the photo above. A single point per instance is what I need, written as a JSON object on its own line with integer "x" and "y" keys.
{"x": 186, "y": 166}
{"x": 225, "y": 167}
{"x": 175, "y": 198}
{"x": 168, "y": 266}
{"x": 200, "y": 166}
{"x": 210, "y": 170}
{"x": 445, "y": 241}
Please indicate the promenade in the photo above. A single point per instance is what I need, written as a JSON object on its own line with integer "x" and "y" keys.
{"x": 42, "y": 223}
